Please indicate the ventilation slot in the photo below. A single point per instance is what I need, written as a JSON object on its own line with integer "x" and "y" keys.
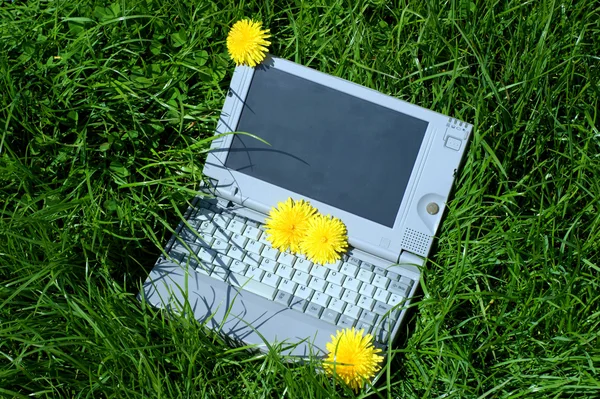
{"x": 416, "y": 242}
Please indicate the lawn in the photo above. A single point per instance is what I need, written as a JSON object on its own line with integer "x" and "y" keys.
{"x": 106, "y": 110}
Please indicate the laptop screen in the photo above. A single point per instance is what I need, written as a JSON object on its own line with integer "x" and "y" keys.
{"x": 339, "y": 149}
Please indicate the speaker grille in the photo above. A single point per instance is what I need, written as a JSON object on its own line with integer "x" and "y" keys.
{"x": 416, "y": 242}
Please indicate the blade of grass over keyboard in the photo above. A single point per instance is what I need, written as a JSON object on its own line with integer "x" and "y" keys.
{"x": 106, "y": 109}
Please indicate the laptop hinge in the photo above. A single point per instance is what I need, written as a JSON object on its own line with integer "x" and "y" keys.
{"x": 408, "y": 258}
{"x": 375, "y": 250}
{"x": 256, "y": 210}
{"x": 411, "y": 261}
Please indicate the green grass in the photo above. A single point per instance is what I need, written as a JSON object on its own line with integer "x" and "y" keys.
{"x": 105, "y": 108}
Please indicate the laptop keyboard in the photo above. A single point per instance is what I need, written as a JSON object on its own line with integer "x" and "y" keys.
{"x": 349, "y": 293}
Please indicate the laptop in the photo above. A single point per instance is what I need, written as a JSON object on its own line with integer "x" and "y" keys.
{"x": 383, "y": 166}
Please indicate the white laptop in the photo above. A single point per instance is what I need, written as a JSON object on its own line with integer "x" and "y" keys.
{"x": 383, "y": 166}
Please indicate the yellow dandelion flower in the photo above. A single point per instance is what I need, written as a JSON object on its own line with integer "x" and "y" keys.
{"x": 352, "y": 357}
{"x": 287, "y": 224}
{"x": 325, "y": 239}
{"x": 247, "y": 42}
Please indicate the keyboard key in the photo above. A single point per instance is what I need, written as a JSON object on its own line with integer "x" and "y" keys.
{"x": 365, "y": 275}
{"x": 203, "y": 215}
{"x": 222, "y": 261}
{"x": 253, "y": 286}
{"x": 196, "y": 223}
{"x": 366, "y": 302}
{"x": 220, "y": 246}
{"x": 220, "y": 234}
{"x": 252, "y": 233}
{"x": 204, "y": 242}
{"x": 350, "y": 297}
{"x": 395, "y": 299}
{"x": 368, "y": 317}
{"x": 268, "y": 265}
{"x": 393, "y": 276}
{"x": 222, "y": 220}
{"x": 317, "y": 284}
{"x": 240, "y": 219}
{"x": 349, "y": 269}
{"x": 406, "y": 281}
{"x": 205, "y": 269}
{"x": 382, "y": 335}
{"x": 238, "y": 267}
{"x": 303, "y": 292}
{"x": 352, "y": 311}
{"x": 286, "y": 258}
{"x": 334, "y": 290}
{"x": 361, "y": 325}
{"x": 239, "y": 240}
{"x": 330, "y": 316}
{"x": 378, "y": 270}
{"x": 381, "y": 308}
{"x": 381, "y": 282}
{"x": 321, "y": 299}
{"x": 206, "y": 254}
{"x": 284, "y": 271}
{"x": 220, "y": 273}
{"x": 236, "y": 253}
{"x": 354, "y": 261}
{"x": 399, "y": 288}
{"x": 206, "y": 228}
{"x": 381, "y": 295}
{"x": 388, "y": 321}
{"x": 254, "y": 246}
{"x": 335, "y": 277}
{"x": 301, "y": 277}
{"x": 254, "y": 272}
{"x": 236, "y": 227}
{"x": 298, "y": 304}
{"x": 283, "y": 298}
{"x": 270, "y": 253}
{"x": 253, "y": 223}
{"x": 367, "y": 290}
{"x": 271, "y": 279}
{"x": 263, "y": 238}
{"x": 252, "y": 259}
{"x": 287, "y": 286}
{"x": 367, "y": 266}
{"x": 319, "y": 271}
{"x": 187, "y": 234}
{"x": 191, "y": 261}
{"x": 179, "y": 251}
{"x": 338, "y": 305}
{"x": 346, "y": 322}
{"x": 336, "y": 266}
{"x": 352, "y": 284}
{"x": 303, "y": 265}
{"x": 314, "y": 310}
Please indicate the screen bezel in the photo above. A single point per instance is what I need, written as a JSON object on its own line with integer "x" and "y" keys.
{"x": 322, "y": 142}
{"x": 363, "y": 234}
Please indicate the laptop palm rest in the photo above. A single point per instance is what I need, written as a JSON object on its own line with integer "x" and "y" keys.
{"x": 235, "y": 312}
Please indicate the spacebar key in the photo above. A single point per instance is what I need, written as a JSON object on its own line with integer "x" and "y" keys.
{"x": 251, "y": 285}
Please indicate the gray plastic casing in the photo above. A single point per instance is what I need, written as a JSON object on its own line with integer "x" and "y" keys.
{"x": 258, "y": 321}
{"x": 430, "y": 182}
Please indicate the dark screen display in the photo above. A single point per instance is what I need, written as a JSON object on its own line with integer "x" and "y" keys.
{"x": 336, "y": 148}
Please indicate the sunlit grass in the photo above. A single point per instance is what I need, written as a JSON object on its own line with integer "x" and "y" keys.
{"x": 105, "y": 108}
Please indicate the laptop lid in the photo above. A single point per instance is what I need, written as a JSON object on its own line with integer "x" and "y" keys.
{"x": 383, "y": 166}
